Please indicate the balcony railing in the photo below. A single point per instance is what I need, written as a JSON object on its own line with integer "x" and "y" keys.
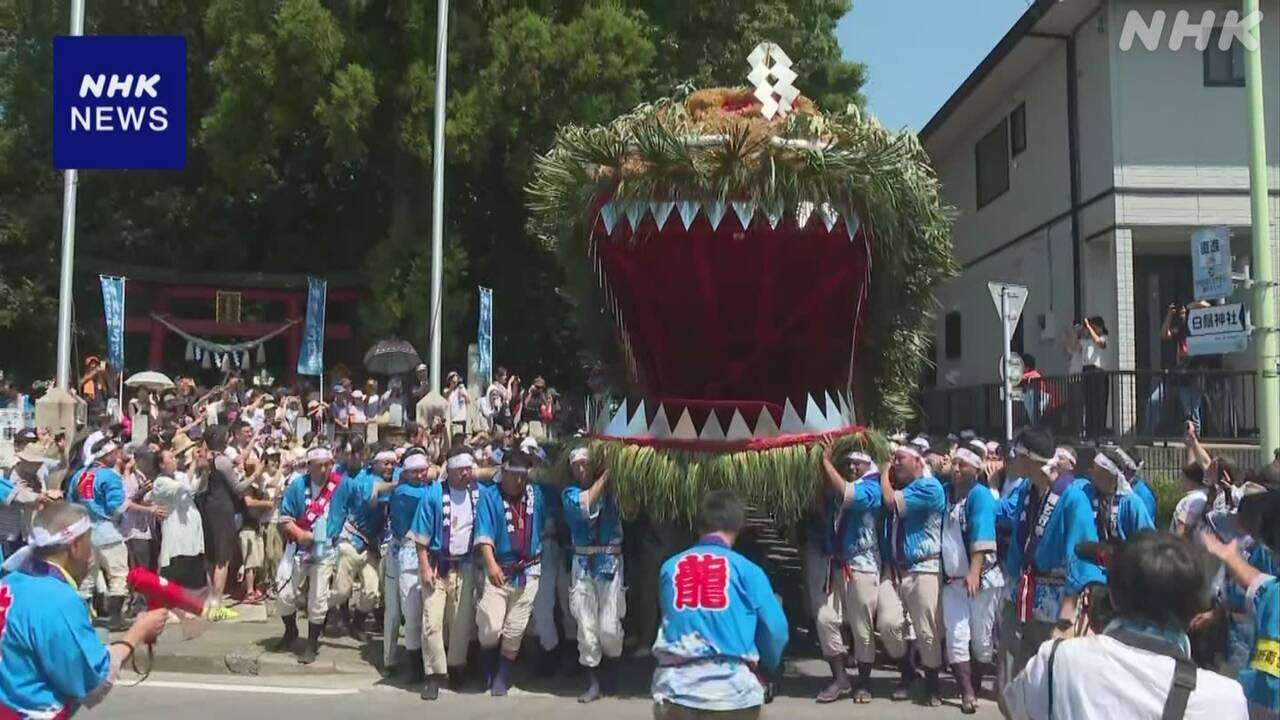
{"x": 1133, "y": 404}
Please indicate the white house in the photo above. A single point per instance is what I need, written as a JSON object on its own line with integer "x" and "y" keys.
{"x": 1081, "y": 170}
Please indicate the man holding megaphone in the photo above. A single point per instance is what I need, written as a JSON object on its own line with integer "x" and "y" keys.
{"x": 51, "y": 660}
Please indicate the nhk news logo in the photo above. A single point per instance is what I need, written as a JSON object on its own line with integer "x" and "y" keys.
{"x": 120, "y": 102}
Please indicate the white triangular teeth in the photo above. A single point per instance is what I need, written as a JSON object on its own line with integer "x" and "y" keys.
{"x": 660, "y": 429}
{"x": 791, "y": 422}
{"x": 715, "y": 213}
{"x": 711, "y": 429}
{"x": 635, "y": 215}
{"x": 684, "y": 429}
{"x": 688, "y": 210}
{"x": 609, "y": 215}
{"x": 617, "y": 427}
{"x": 637, "y": 427}
{"x": 765, "y": 425}
{"x": 738, "y": 429}
{"x": 815, "y": 419}
{"x": 835, "y": 419}
{"x": 803, "y": 212}
{"x": 745, "y": 210}
{"x": 829, "y": 215}
{"x": 661, "y": 211}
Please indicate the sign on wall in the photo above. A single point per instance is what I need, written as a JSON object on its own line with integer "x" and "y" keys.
{"x": 1211, "y": 262}
{"x": 1217, "y": 329}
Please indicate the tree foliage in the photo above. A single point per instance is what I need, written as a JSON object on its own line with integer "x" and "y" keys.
{"x": 310, "y": 146}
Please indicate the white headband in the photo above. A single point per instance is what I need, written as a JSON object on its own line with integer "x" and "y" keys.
{"x": 319, "y": 455}
{"x": 460, "y": 461}
{"x": 920, "y": 444}
{"x": 509, "y": 470}
{"x": 968, "y": 457}
{"x": 1021, "y": 449}
{"x": 1130, "y": 464}
{"x": 910, "y": 450}
{"x": 41, "y": 538}
{"x": 416, "y": 461}
{"x": 1064, "y": 454}
{"x": 105, "y": 450}
{"x": 579, "y": 455}
{"x": 385, "y": 456}
{"x": 1104, "y": 462}
{"x": 857, "y": 456}
{"x": 978, "y": 447}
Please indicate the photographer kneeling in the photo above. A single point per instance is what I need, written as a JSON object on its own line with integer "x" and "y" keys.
{"x": 1140, "y": 666}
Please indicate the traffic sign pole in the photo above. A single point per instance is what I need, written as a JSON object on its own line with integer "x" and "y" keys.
{"x": 1008, "y": 387}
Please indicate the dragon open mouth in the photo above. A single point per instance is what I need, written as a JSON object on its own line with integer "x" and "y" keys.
{"x": 724, "y": 306}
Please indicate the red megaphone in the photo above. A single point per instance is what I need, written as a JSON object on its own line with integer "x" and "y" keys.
{"x": 161, "y": 593}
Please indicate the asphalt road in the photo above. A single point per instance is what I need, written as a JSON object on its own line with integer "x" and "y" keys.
{"x": 204, "y": 697}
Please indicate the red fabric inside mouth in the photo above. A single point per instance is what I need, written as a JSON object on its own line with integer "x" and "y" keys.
{"x": 755, "y": 314}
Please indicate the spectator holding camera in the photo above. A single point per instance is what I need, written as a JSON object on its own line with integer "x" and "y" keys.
{"x": 1140, "y": 666}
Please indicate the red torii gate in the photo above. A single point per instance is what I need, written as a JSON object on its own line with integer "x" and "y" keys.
{"x": 289, "y": 291}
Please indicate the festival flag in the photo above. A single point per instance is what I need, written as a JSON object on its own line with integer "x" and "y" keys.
{"x": 311, "y": 357}
{"x": 485, "y": 337}
{"x": 113, "y": 313}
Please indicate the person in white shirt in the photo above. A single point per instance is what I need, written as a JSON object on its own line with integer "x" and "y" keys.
{"x": 1158, "y": 583}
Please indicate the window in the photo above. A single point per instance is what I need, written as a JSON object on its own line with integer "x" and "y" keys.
{"x": 952, "y": 344}
{"x": 993, "y": 164}
{"x": 1223, "y": 68}
{"x": 1018, "y": 130}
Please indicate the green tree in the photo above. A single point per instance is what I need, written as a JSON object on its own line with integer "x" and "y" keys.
{"x": 310, "y": 147}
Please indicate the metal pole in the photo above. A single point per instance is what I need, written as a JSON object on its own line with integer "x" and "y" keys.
{"x": 437, "y": 192}
{"x": 1267, "y": 344}
{"x": 70, "y": 179}
{"x": 1004, "y": 366}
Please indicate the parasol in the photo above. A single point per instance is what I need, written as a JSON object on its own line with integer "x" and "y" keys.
{"x": 150, "y": 380}
{"x": 391, "y": 357}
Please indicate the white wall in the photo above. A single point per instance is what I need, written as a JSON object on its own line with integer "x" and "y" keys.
{"x": 1039, "y": 179}
{"x": 1043, "y": 263}
{"x": 1173, "y": 132}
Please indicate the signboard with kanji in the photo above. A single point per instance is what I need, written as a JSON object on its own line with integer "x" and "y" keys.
{"x": 1217, "y": 329}
{"x": 1211, "y": 262}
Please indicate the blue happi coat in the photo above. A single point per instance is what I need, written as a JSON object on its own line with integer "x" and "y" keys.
{"x": 101, "y": 491}
{"x": 594, "y": 526}
{"x": 977, "y": 515}
{"x": 720, "y": 619}
{"x": 1069, "y": 523}
{"x": 1144, "y": 493}
{"x": 367, "y": 522}
{"x": 347, "y": 498}
{"x": 492, "y": 528}
{"x": 857, "y": 527}
{"x": 916, "y": 526}
{"x": 51, "y": 659}
{"x": 1129, "y": 514}
{"x": 1261, "y": 677}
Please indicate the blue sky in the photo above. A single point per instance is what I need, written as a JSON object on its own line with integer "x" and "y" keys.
{"x": 918, "y": 52}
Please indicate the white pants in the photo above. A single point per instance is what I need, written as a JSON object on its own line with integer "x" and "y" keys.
{"x": 816, "y": 567}
{"x": 852, "y": 602}
{"x": 308, "y": 587}
{"x": 969, "y": 620}
{"x": 502, "y": 615}
{"x": 355, "y": 579}
{"x": 404, "y": 602}
{"x": 553, "y": 587}
{"x": 599, "y": 606}
{"x": 113, "y": 561}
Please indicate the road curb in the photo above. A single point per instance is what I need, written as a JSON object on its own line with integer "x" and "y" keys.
{"x": 252, "y": 662}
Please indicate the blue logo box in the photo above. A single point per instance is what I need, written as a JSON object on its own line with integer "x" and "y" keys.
{"x": 120, "y": 102}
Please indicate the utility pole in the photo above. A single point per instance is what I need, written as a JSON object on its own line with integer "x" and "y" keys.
{"x": 1267, "y": 342}
{"x": 60, "y": 410}
{"x": 70, "y": 179}
{"x": 437, "y": 193}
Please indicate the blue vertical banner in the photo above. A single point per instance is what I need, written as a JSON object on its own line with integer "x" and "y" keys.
{"x": 311, "y": 357}
{"x": 113, "y": 313}
{"x": 484, "y": 337}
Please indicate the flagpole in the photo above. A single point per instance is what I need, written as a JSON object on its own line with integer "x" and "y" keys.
{"x": 437, "y": 190}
